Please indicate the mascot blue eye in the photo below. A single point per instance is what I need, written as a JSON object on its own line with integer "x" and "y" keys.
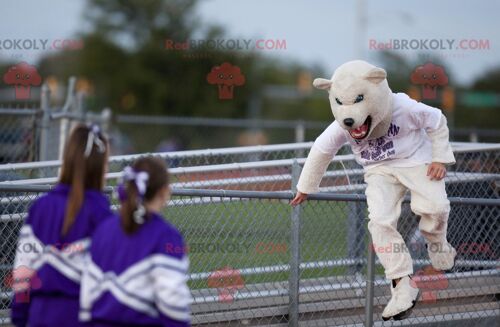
{"x": 338, "y": 101}
{"x": 359, "y": 98}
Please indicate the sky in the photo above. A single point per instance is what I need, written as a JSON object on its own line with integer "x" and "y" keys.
{"x": 323, "y": 32}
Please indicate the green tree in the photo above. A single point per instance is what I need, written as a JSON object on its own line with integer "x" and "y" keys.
{"x": 126, "y": 62}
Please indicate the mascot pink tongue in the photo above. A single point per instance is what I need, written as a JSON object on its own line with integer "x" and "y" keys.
{"x": 360, "y": 131}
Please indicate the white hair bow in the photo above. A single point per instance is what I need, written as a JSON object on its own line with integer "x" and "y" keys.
{"x": 92, "y": 139}
{"x": 140, "y": 179}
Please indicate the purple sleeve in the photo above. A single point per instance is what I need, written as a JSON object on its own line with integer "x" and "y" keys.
{"x": 19, "y": 311}
{"x": 173, "y": 245}
{"x": 166, "y": 321}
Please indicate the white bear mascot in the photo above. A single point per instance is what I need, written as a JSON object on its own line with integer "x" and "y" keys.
{"x": 402, "y": 145}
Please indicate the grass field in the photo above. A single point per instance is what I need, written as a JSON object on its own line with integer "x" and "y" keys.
{"x": 256, "y": 233}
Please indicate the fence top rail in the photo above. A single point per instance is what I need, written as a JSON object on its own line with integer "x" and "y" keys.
{"x": 19, "y": 112}
{"x": 268, "y": 195}
{"x": 173, "y": 171}
{"x": 220, "y": 151}
{"x": 458, "y": 147}
{"x": 193, "y": 169}
{"x": 219, "y": 122}
{"x": 175, "y": 154}
{"x": 81, "y": 116}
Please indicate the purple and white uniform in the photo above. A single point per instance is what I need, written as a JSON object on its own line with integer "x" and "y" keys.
{"x": 48, "y": 266}
{"x": 136, "y": 279}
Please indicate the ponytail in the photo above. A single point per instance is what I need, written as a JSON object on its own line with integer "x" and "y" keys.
{"x": 129, "y": 208}
{"x": 140, "y": 184}
{"x": 76, "y": 193}
{"x": 83, "y": 167}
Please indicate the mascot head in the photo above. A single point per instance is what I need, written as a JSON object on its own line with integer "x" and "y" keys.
{"x": 360, "y": 98}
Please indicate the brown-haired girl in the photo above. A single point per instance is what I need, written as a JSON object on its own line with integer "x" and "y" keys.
{"x": 55, "y": 236}
{"x": 133, "y": 278}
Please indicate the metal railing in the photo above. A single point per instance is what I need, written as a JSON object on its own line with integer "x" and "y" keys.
{"x": 297, "y": 266}
{"x": 231, "y": 205}
{"x": 269, "y": 168}
{"x": 38, "y": 132}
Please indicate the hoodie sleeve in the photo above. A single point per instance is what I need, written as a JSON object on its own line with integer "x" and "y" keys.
{"x": 322, "y": 152}
{"x": 432, "y": 120}
{"x": 441, "y": 148}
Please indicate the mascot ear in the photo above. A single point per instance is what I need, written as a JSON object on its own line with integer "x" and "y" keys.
{"x": 376, "y": 75}
{"x": 322, "y": 83}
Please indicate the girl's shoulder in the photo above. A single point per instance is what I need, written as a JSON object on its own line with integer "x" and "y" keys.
{"x": 163, "y": 225}
{"x": 61, "y": 192}
{"x": 50, "y": 200}
{"x": 169, "y": 237}
{"x": 96, "y": 196}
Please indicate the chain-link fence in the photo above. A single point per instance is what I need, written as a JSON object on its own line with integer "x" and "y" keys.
{"x": 269, "y": 168}
{"x": 249, "y": 250}
{"x": 18, "y": 135}
{"x": 38, "y": 131}
{"x": 257, "y": 261}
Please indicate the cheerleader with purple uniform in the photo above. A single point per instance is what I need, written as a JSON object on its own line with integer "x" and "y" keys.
{"x": 132, "y": 277}
{"x": 55, "y": 236}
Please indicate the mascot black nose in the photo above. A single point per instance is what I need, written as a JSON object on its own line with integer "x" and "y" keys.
{"x": 349, "y": 122}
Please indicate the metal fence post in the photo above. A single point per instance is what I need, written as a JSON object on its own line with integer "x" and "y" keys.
{"x": 356, "y": 231}
{"x": 370, "y": 279}
{"x": 106, "y": 120}
{"x": 300, "y": 135}
{"x": 300, "y": 132}
{"x": 69, "y": 107}
{"x": 45, "y": 123}
{"x": 293, "y": 281}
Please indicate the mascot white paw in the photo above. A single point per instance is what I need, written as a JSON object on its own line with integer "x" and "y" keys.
{"x": 444, "y": 259}
{"x": 404, "y": 297}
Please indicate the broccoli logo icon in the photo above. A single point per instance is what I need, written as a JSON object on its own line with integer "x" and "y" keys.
{"x": 22, "y": 76}
{"x": 228, "y": 282}
{"x": 22, "y": 280}
{"x": 226, "y": 77}
{"x": 429, "y": 76}
{"x": 429, "y": 280}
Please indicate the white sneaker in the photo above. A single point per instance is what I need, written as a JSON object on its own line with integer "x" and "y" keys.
{"x": 404, "y": 297}
{"x": 442, "y": 255}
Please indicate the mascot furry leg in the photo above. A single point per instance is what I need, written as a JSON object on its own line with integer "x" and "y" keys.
{"x": 385, "y": 191}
